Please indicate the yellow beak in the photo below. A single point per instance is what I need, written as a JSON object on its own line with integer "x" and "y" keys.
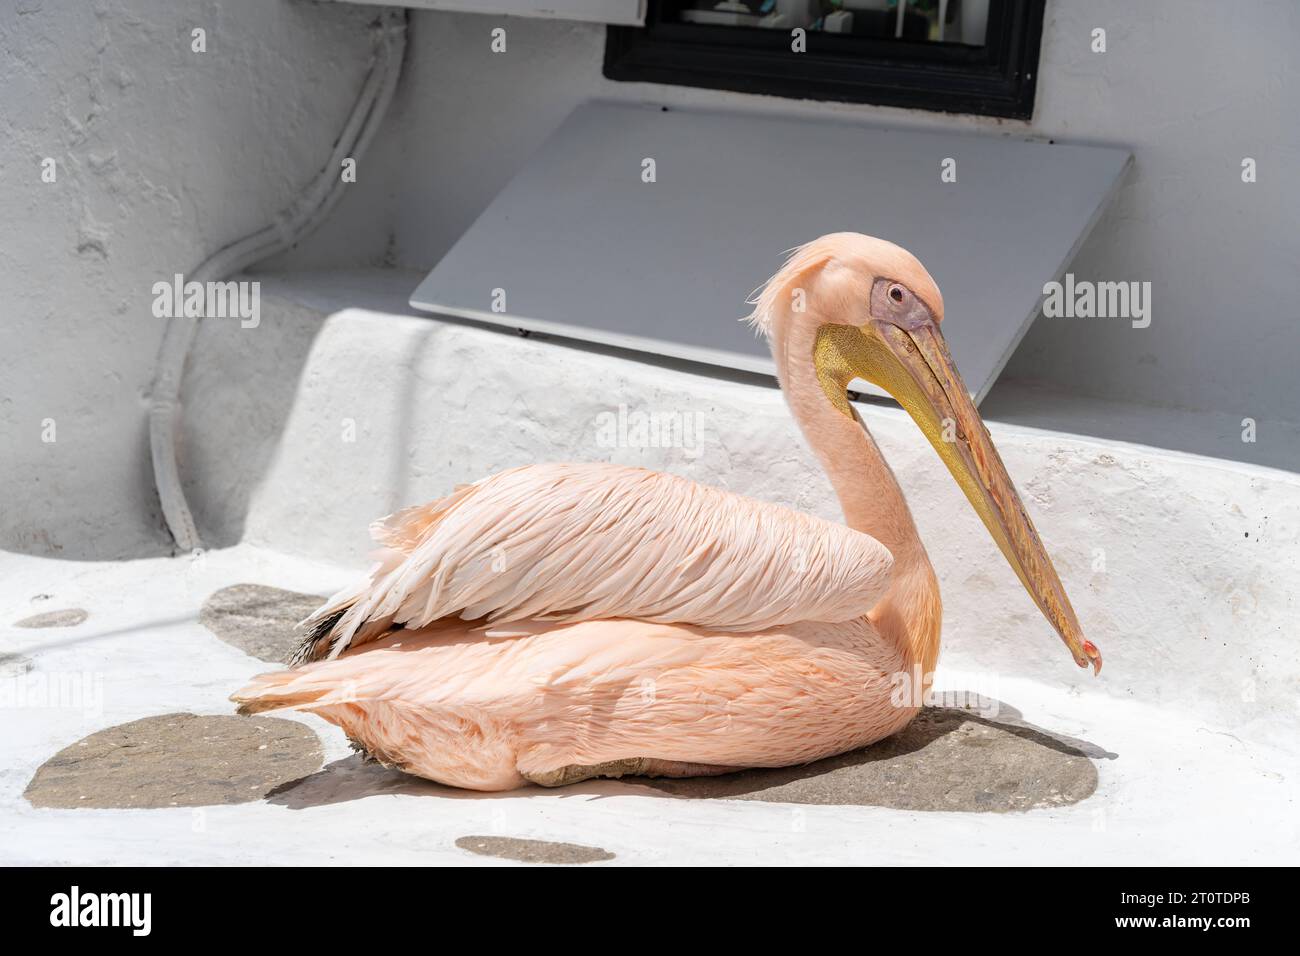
{"x": 910, "y": 360}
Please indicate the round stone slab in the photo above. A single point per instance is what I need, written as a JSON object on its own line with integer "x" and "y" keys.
{"x": 533, "y": 851}
{"x": 68, "y": 617}
{"x": 14, "y": 665}
{"x": 946, "y": 759}
{"x": 177, "y": 760}
{"x": 260, "y": 621}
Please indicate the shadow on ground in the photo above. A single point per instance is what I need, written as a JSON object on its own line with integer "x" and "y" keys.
{"x": 979, "y": 758}
{"x": 983, "y": 758}
{"x": 947, "y": 759}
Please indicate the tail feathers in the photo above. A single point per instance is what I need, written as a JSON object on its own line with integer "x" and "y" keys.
{"x": 275, "y": 691}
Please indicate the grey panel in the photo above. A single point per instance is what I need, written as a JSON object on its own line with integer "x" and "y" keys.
{"x": 584, "y": 248}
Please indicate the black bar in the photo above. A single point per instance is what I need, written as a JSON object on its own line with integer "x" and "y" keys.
{"x": 257, "y": 908}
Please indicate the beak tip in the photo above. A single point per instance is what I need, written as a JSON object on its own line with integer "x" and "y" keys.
{"x": 1094, "y": 657}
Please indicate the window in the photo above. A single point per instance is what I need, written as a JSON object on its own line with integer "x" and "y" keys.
{"x": 960, "y": 56}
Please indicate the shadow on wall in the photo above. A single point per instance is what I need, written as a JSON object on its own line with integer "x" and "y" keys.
{"x": 1187, "y": 371}
{"x": 239, "y": 393}
{"x": 1227, "y": 435}
{"x": 241, "y": 386}
{"x": 236, "y": 398}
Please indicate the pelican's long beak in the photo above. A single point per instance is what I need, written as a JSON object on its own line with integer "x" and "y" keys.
{"x": 907, "y": 356}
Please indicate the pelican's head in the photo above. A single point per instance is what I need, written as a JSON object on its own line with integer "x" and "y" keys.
{"x": 858, "y": 307}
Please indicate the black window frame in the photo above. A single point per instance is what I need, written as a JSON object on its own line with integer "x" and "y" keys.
{"x": 997, "y": 79}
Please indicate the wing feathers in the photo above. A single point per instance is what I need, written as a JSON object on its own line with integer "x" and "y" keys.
{"x": 593, "y": 541}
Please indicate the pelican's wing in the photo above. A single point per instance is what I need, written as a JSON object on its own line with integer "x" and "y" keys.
{"x": 580, "y": 542}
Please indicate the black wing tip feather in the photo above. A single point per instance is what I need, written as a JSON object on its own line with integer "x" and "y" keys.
{"x": 315, "y": 644}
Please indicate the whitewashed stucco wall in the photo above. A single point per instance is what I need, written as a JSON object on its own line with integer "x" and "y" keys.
{"x": 163, "y": 155}
{"x": 1190, "y": 87}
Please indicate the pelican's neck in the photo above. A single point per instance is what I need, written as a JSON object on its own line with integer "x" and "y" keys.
{"x": 873, "y": 503}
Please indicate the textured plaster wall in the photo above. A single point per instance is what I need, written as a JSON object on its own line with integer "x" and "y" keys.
{"x": 1190, "y": 87}
{"x": 163, "y": 155}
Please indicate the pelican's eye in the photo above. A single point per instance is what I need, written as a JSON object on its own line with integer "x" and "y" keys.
{"x": 896, "y": 293}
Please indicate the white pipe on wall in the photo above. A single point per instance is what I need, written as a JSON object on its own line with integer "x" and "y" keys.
{"x": 292, "y": 225}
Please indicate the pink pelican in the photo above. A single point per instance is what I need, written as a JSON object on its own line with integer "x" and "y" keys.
{"x": 558, "y": 622}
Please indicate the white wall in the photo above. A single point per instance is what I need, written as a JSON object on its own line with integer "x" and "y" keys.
{"x": 163, "y": 155}
{"x": 1190, "y": 87}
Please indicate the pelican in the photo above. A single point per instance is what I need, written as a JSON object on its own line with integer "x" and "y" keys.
{"x": 559, "y": 622}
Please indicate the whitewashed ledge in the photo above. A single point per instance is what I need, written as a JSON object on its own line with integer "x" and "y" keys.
{"x": 1184, "y": 569}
